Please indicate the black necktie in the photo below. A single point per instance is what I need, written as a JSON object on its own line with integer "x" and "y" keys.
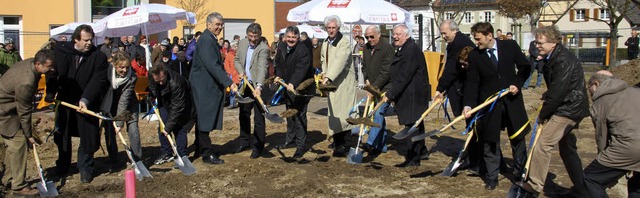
{"x": 493, "y": 57}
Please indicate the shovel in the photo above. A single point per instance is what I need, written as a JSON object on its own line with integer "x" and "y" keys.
{"x": 373, "y": 90}
{"x": 87, "y": 111}
{"x": 516, "y": 190}
{"x": 243, "y": 100}
{"x": 355, "y": 154}
{"x": 183, "y": 163}
{"x": 138, "y": 167}
{"x": 453, "y": 166}
{"x": 45, "y": 188}
{"x": 293, "y": 91}
{"x": 305, "y": 84}
{"x": 367, "y": 119}
{"x": 267, "y": 114}
{"x": 461, "y": 117}
{"x": 406, "y": 132}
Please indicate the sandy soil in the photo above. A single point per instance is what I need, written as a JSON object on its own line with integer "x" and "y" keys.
{"x": 318, "y": 175}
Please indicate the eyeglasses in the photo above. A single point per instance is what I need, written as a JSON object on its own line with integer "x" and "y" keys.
{"x": 369, "y": 37}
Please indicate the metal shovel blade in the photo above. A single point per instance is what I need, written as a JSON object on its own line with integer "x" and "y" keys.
{"x": 48, "y": 189}
{"x": 275, "y": 118}
{"x": 355, "y": 156}
{"x": 516, "y": 191}
{"x": 452, "y": 168}
{"x": 243, "y": 100}
{"x": 184, "y": 164}
{"x": 406, "y": 132}
{"x": 425, "y": 135}
{"x": 141, "y": 171}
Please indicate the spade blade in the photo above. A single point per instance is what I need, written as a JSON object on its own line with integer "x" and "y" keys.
{"x": 243, "y": 100}
{"x": 275, "y": 118}
{"x": 184, "y": 164}
{"x": 406, "y": 132}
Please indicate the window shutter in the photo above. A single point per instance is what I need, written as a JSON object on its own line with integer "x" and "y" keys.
{"x": 580, "y": 42}
{"x": 572, "y": 15}
{"x": 596, "y": 13}
{"x": 586, "y": 15}
{"x": 598, "y": 42}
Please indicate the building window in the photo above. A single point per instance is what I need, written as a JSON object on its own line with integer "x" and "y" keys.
{"x": 466, "y": 18}
{"x": 187, "y": 31}
{"x": 604, "y": 14}
{"x": 488, "y": 17}
{"x": 573, "y": 41}
{"x": 448, "y": 15}
{"x": 580, "y": 14}
{"x": 11, "y": 28}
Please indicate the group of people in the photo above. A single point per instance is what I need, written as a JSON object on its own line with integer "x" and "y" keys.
{"x": 101, "y": 79}
{"x": 472, "y": 76}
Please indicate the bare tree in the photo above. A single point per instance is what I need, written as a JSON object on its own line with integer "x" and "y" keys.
{"x": 195, "y": 6}
{"x": 617, "y": 9}
{"x": 457, "y": 9}
{"x": 515, "y": 9}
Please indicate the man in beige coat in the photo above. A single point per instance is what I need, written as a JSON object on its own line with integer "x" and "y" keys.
{"x": 17, "y": 88}
{"x": 615, "y": 115}
{"x": 338, "y": 70}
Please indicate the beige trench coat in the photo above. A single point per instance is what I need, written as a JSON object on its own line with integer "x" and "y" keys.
{"x": 337, "y": 65}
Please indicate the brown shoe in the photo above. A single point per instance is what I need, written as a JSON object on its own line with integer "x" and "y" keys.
{"x": 26, "y": 191}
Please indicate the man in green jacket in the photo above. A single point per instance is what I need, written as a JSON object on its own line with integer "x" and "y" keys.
{"x": 9, "y": 55}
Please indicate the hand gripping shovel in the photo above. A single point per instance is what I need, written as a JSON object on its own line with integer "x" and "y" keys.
{"x": 406, "y": 132}
{"x": 183, "y": 163}
{"x": 453, "y": 166}
{"x": 45, "y": 188}
{"x": 293, "y": 91}
{"x": 516, "y": 191}
{"x": 267, "y": 114}
{"x": 138, "y": 167}
{"x": 461, "y": 117}
{"x": 355, "y": 154}
{"x": 243, "y": 100}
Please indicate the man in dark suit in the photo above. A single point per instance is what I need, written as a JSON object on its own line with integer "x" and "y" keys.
{"x": 376, "y": 64}
{"x": 294, "y": 66}
{"x": 251, "y": 62}
{"x": 491, "y": 69}
{"x": 208, "y": 82}
{"x": 80, "y": 79}
{"x": 410, "y": 90}
{"x": 452, "y": 81}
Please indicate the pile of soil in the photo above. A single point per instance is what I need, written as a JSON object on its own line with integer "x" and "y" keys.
{"x": 629, "y": 72}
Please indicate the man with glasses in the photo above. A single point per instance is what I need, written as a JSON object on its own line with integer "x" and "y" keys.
{"x": 251, "y": 62}
{"x": 565, "y": 105}
{"x": 376, "y": 64}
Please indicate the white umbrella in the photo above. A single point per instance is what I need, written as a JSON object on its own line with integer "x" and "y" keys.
{"x": 350, "y": 11}
{"x": 145, "y": 18}
{"x": 312, "y": 31}
{"x": 67, "y": 28}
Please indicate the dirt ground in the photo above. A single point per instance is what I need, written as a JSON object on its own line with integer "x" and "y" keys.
{"x": 318, "y": 175}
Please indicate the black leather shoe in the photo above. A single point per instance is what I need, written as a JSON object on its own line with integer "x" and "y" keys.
{"x": 298, "y": 154}
{"x": 490, "y": 184}
{"x": 340, "y": 152}
{"x": 212, "y": 159}
{"x": 424, "y": 156}
{"x": 331, "y": 145}
{"x": 242, "y": 148}
{"x": 255, "y": 153}
{"x": 86, "y": 177}
{"x": 408, "y": 163}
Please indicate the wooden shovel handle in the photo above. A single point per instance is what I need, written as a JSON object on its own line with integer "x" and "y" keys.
{"x": 366, "y": 108}
{"x": 530, "y": 154}
{"x": 120, "y": 136}
{"x": 476, "y": 109}
{"x": 173, "y": 146}
{"x": 435, "y": 103}
{"x": 35, "y": 155}
{"x": 253, "y": 91}
{"x": 83, "y": 110}
{"x": 285, "y": 85}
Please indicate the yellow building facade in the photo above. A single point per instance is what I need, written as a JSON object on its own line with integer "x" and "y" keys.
{"x": 238, "y": 15}
{"x": 28, "y": 22}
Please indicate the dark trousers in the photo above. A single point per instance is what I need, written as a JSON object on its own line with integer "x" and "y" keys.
{"x": 474, "y": 151}
{"x": 632, "y": 55}
{"x": 245, "y": 123}
{"x": 85, "y": 160}
{"x": 297, "y": 125}
{"x": 598, "y": 177}
{"x": 492, "y": 153}
{"x": 180, "y": 136}
{"x": 415, "y": 149}
{"x": 203, "y": 143}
